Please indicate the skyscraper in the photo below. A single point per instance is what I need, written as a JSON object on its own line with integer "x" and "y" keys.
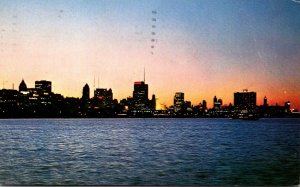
{"x": 105, "y": 96}
{"x": 153, "y": 102}
{"x": 22, "y": 86}
{"x": 265, "y": 101}
{"x": 245, "y": 100}
{"x": 43, "y": 86}
{"x": 140, "y": 96}
{"x": 86, "y": 92}
{"x": 215, "y": 100}
{"x": 204, "y": 104}
{"x": 217, "y": 103}
{"x": 178, "y": 101}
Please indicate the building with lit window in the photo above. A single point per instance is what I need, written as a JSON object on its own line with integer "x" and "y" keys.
{"x": 245, "y": 100}
{"x": 8, "y": 96}
{"x": 217, "y": 103}
{"x": 43, "y": 87}
{"x": 140, "y": 96}
{"x": 179, "y": 101}
{"x": 104, "y": 97}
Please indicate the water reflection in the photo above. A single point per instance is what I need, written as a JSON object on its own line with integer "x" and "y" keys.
{"x": 149, "y": 152}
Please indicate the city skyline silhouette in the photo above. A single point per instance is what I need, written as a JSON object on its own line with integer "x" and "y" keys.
{"x": 41, "y": 102}
{"x": 93, "y": 88}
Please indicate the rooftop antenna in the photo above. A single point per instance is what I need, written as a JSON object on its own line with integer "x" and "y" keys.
{"x": 98, "y": 81}
{"x": 13, "y": 86}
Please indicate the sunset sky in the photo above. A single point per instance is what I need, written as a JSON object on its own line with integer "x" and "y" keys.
{"x": 204, "y": 47}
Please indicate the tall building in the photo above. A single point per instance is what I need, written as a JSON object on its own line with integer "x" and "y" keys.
{"x": 245, "y": 100}
{"x": 22, "y": 86}
{"x": 153, "y": 102}
{"x": 179, "y": 101}
{"x": 265, "y": 101}
{"x": 217, "y": 103}
{"x": 43, "y": 86}
{"x": 86, "y": 92}
{"x": 204, "y": 104}
{"x": 105, "y": 96}
{"x": 215, "y": 100}
{"x": 140, "y": 96}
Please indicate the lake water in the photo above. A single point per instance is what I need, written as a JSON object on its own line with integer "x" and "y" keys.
{"x": 149, "y": 152}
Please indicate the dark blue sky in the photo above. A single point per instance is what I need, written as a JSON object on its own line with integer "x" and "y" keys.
{"x": 203, "y": 47}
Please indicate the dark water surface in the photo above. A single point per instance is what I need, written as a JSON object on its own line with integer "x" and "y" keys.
{"x": 149, "y": 152}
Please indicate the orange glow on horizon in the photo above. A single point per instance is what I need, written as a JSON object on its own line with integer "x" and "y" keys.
{"x": 199, "y": 61}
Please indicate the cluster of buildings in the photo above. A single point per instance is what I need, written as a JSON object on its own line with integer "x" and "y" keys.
{"x": 40, "y": 101}
{"x": 245, "y": 103}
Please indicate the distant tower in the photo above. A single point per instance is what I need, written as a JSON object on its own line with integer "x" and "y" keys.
{"x": 265, "y": 101}
{"x": 153, "y": 102}
{"x": 215, "y": 99}
{"x": 86, "y": 92}
{"x": 22, "y": 86}
{"x": 204, "y": 104}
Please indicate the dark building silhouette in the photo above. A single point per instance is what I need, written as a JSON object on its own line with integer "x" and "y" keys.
{"x": 217, "y": 103}
{"x": 71, "y": 107}
{"x": 245, "y": 100}
{"x": 204, "y": 104}
{"x": 220, "y": 101}
{"x": 9, "y": 103}
{"x": 22, "y": 86}
{"x": 32, "y": 92}
{"x": 188, "y": 104}
{"x": 86, "y": 92}
{"x": 265, "y": 101}
{"x": 140, "y": 96}
{"x": 287, "y": 106}
{"x": 179, "y": 101}
{"x": 215, "y": 100}
{"x": 43, "y": 86}
{"x": 105, "y": 96}
{"x": 9, "y": 96}
{"x": 85, "y": 101}
{"x": 129, "y": 103}
{"x": 42, "y": 102}
{"x": 153, "y": 102}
